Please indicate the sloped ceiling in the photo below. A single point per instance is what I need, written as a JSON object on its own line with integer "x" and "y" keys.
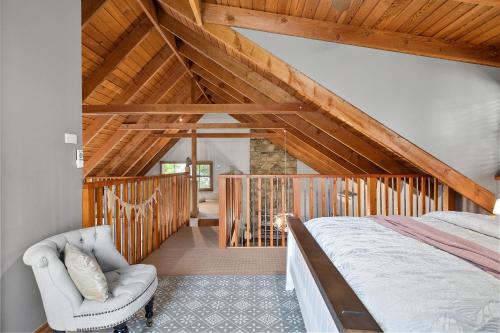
{"x": 139, "y": 52}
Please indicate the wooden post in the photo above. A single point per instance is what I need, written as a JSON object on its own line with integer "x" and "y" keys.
{"x": 448, "y": 198}
{"x": 87, "y": 205}
{"x": 194, "y": 180}
{"x": 222, "y": 213}
{"x": 371, "y": 203}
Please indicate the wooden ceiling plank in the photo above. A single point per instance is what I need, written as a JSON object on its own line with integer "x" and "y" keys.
{"x": 158, "y": 109}
{"x": 126, "y": 45}
{"x": 89, "y": 9}
{"x": 151, "y": 68}
{"x": 342, "y": 110}
{"x": 102, "y": 152}
{"x": 348, "y": 34}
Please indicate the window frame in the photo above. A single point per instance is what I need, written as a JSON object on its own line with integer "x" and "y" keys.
{"x": 211, "y": 176}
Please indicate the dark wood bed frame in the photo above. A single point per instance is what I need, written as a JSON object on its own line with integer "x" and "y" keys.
{"x": 348, "y": 313}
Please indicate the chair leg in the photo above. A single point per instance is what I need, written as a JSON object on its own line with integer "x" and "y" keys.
{"x": 122, "y": 328}
{"x": 149, "y": 312}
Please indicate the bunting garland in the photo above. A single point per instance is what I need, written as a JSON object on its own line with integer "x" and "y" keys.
{"x": 127, "y": 207}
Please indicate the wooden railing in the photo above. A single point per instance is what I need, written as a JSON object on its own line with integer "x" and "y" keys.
{"x": 164, "y": 207}
{"x": 253, "y": 208}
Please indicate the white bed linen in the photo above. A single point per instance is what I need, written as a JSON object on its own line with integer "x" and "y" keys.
{"x": 409, "y": 286}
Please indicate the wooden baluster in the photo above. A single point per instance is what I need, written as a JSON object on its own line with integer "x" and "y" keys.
{"x": 156, "y": 214}
{"x": 118, "y": 222}
{"x": 144, "y": 222}
{"x": 448, "y": 198}
{"x": 133, "y": 226}
{"x": 323, "y": 197}
{"x": 410, "y": 195}
{"x": 334, "y": 197}
{"x": 174, "y": 212}
{"x": 99, "y": 199}
{"x": 398, "y": 196}
{"x": 435, "y": 197}
{"x": 222, "y": 213}
{"x": 346, "y": 194}
{"x": 271, "y": 212}
{"x": 259, "y": 211}
{"x": 386, "y": 196}
{"x": 423, "y": 195}
{"x": 247, "y": 234}
{"x": 283, "y": 212}
{"x": 311, "y": 198}
{"x": 88, "y": 219}
{"x": 125, "y": 224}
{"x": 371, "y": 196}
{"x": 358, "y": 210}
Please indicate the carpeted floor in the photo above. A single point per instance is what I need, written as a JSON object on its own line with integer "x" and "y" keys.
{"x": 224, "y": 303}
{"x": 194, "y": 251}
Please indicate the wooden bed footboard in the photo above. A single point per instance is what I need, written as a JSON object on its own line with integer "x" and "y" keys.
{"x": 346, "y": 309}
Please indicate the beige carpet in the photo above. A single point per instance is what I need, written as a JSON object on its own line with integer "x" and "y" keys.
{"x": 194, "y": 251}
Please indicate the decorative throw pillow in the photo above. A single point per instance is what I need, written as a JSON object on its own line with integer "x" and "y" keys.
{"x": 86, "y": 274}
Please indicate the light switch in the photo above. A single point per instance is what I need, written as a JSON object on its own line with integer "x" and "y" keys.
{"x": 70, "y": 138}
{"x": 79, "y": 158}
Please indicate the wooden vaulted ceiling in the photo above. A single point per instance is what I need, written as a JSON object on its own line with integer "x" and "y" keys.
{"x": 139, "y": 55}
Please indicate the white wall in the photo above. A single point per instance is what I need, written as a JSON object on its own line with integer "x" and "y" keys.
{"x": 450, "y": 109}
{"x": 40, "y": 82}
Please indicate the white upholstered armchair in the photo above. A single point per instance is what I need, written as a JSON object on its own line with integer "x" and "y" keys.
{"x": 130, "y": 286}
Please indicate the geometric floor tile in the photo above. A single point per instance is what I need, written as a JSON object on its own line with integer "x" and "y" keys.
{"x": 222, "y": 303}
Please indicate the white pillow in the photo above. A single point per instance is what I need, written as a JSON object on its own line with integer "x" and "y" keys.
{"x": 86, "y": 274}
{"x": 484, "y": 224}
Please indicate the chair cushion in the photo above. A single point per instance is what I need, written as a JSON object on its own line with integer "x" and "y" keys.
{"x": 86, "y": 274}
{"x": 125, "y": 285}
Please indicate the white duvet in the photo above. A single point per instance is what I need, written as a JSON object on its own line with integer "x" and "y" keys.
{"x": 409, "y": 286}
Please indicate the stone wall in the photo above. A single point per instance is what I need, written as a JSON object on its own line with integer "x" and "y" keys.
{"x": 267, "y": 158}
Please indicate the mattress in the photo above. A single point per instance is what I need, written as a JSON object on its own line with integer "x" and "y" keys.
{"x": 409, "y": 286}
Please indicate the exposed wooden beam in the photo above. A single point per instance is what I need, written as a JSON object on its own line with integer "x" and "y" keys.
{"x": 126, "y": 45}
{"x": 99, "y": 155}
{"x": 196, "y": 7}
{"x": 158, "y": 109}
{"x": 218, "y": 135}
{"x": 149, "y": 8}
{"x": 339, "y": 108}
{"x": 492, "y": 3}
{"x": 89, "y": 9}
{"x": 350, "y": 34}
{"x": 185, "y": 126}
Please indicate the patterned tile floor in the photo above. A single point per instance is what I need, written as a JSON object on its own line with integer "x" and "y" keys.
{"x": 223, "y": 303}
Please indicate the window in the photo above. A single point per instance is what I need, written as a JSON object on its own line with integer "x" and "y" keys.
{"x": 204, "y": 172}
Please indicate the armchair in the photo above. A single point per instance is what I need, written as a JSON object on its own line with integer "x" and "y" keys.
{"x": 130, "y": 286}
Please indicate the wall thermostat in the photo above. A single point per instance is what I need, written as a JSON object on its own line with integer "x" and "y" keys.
{"x": 79, "y": 158}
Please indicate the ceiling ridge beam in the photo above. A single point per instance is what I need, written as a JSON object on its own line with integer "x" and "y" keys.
{"x": 116, "y": 56}
{"x": 341, "y": 109}
{"x": 349, "y": 34}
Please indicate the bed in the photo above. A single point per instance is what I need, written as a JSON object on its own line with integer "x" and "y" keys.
{"x": 352, "y": 274}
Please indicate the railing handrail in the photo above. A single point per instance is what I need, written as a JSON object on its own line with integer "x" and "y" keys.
{"x": 362, "y": 175}
{"x": 106, "y": 181}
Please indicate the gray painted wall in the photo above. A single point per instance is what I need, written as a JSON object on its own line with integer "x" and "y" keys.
{"x": 41, "y": 100}
{"x": 450, "y": 109}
